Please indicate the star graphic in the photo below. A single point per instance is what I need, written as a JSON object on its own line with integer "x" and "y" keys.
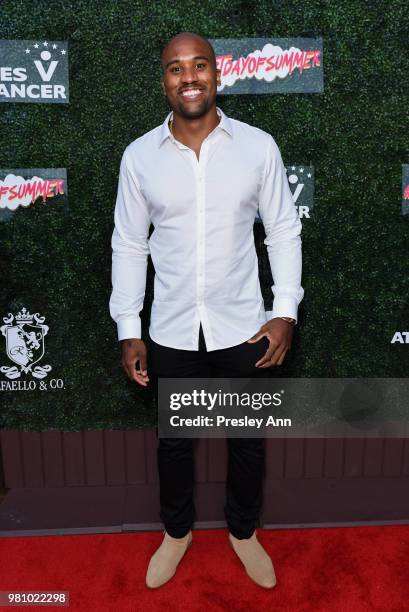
{"x": 301, "y": 169}
{"x": 27, "y": 50}
{"x": 292, "y": 167}
{"x": 45, "y": 43}
{"x": 63, "y": 52}
{"x": 36, "y": 46}
{"x": 309, "y": 175}
{"x": 54, "y": 46}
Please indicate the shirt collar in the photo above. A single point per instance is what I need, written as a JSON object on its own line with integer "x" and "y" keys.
{"x": 225, "y": 124}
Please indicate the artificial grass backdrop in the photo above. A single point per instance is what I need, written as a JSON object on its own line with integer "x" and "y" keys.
{"x": 57, "y": 262}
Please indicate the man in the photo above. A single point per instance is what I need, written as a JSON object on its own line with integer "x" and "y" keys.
{"x": 200, "y": 178}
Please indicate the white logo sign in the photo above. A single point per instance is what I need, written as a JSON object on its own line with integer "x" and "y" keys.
{"x": 34, "y": 71}
{"x": 24, "y": 336}
{"x": 400, "y": 337}
{"x": 301, "y": 181}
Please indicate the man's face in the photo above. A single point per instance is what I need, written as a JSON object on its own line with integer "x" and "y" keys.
{"x": 190, "y": 77}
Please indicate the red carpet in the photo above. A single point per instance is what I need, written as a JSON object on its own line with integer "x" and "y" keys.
{"x": 329, "y": 570}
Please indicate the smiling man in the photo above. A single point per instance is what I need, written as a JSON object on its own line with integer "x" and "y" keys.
{"x": 200, "y": 179}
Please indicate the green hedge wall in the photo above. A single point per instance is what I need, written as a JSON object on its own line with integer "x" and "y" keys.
{"x": 355, "y": 134}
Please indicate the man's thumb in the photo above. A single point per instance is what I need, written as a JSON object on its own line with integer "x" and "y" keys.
{"x": 254, "y": 338}
{"x": 143, "y": 364}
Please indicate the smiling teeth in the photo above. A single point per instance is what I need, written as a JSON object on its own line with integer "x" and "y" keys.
{"x": 191, "y": 92}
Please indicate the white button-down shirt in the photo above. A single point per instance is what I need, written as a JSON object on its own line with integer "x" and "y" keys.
{"x": 202, "y": 246}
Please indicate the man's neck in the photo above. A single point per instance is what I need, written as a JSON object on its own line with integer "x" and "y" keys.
{"x": 194, "y": 131}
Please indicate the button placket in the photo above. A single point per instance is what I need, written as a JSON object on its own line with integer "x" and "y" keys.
{"x": 201, "y": 223}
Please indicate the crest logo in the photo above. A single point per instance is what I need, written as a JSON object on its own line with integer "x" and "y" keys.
{"x": 24, "y": 334}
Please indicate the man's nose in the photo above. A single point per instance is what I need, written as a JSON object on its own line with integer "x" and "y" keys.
{"x": 189, "y": 74}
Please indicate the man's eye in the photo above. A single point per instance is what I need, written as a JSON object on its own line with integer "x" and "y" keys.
{"x": 201, "y": 65}
{"x": 175, "y": 68}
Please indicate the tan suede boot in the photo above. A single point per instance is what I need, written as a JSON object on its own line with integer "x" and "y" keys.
{"x": 163, "y": 564}
{"x": 256, "y": 561}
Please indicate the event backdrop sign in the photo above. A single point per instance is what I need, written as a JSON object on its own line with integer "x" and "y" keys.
{"x": 30, "y": 186}
{"x": 400, "y": 337}
{"x": 405, "y": 189}
{"x": 34, "y": 71}
{"x": 24, "y": 335}
{"x": 301, "y": 181}
{"x": 55, "y": 260}
{"x": 24, "y": 365}
{"x": 269, "y": 65}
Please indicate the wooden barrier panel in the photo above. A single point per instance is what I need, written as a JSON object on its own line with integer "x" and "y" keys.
{"x": 307, "y": 481}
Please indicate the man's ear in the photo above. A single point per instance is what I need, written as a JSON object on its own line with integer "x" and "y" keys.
{"x": 218, "y": 76}
{"x": 163, "y": 87}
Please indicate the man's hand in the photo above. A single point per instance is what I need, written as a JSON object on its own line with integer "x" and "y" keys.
{"x": 280, "y": 335}
{"x": 134, "y": 351}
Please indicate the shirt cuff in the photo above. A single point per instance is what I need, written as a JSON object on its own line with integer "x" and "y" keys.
{"x": 283, "y": 307}
{"x": 129, "y": 328}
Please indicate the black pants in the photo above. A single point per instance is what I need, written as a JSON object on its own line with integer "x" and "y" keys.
{"x": 175, "y": 455}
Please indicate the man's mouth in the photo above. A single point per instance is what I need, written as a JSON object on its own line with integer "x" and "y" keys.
{"x": 191, "y": 94}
